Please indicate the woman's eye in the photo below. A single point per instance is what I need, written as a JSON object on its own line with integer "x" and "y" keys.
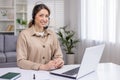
{"x": 44, "y": 15}
{"x": 41, "y": 15}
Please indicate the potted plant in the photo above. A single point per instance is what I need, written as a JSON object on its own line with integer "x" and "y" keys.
{"x": 68, "y": 42}
{"x": 4, "y": 14}
{"x": 22, "y": 23}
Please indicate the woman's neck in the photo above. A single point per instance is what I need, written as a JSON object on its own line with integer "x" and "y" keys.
{"x": 38, "y": 29}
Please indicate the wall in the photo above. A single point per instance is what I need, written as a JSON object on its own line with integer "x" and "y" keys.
{"x": 71, "y": 19}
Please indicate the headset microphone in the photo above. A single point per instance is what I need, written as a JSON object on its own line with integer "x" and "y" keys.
{"x": 45, "y": 27}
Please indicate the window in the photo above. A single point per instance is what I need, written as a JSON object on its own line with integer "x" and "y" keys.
{"x": 98, "y": 20}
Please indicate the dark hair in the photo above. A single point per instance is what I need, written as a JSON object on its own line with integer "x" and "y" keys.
{"x": 36, "y": 9}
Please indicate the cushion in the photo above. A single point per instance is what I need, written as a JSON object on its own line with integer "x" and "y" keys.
{"x": 10, "y": 43}
{"x": 1, "y": 43}
{"x": 2, "y": 57}
{"x": 11, "y": 56}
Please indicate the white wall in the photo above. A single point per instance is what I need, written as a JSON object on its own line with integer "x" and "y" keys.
{"x": 71, "y": 12}
{"x": 71, "y": 19}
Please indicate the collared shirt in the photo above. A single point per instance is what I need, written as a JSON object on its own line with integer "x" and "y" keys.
{"x": 34, "y": 49}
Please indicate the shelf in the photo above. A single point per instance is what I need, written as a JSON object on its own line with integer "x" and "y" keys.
{"x": 7, "y": 20}
{"x": 21, "y": 12}
{"x": 7, "y": 7}
{"x": 6, "y": 31}
{"x": 14, "y": 9}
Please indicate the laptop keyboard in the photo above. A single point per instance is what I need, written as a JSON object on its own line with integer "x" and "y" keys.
{"x": 72, "y": 72}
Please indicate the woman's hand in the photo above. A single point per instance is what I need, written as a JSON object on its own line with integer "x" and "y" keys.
{"x": 53, "y": 64}
{"x": 58, "y": 62}
{"x": 49, "y": 66}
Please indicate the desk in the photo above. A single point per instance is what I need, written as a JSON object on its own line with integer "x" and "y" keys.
{"x": 105, "y": 71}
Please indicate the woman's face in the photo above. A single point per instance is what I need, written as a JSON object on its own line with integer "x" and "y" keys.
{"x": 41, "y": 18}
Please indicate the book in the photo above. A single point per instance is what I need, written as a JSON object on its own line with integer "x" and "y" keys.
{"x": 10, "y": 76}
{"x": 10, "y": 28}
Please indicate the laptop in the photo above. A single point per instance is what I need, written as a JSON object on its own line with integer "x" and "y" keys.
{"x": 90, "y": 60}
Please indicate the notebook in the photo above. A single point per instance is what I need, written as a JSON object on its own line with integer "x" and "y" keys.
{"x": 10, "y": 76}
{"x": 90, "y": 60}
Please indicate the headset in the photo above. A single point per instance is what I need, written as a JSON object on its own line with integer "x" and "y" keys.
{"x": 40, "y": 2}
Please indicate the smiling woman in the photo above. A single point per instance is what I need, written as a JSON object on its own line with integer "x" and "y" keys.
{"x": 38, "y": 47}
{"x": 40, "y": 17}
{"x": 57, "y": 11}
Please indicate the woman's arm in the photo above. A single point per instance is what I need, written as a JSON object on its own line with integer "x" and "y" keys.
{"x": 22, "y": 54}
{"x": 58, "y": 56}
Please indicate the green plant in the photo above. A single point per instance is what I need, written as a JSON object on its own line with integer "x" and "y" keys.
{"x": 4, "y": 12}
{"x": 67, "y": 39}
{"x": 21, "y": 22}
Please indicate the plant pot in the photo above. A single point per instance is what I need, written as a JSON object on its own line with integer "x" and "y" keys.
{"x": 70, "y": 58}
{"x": 21, "y": 26}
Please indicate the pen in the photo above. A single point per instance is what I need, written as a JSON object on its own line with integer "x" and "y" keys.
{"x": 33, "y": 76}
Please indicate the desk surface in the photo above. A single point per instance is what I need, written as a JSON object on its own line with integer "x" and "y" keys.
{"x": 105, "y": 71}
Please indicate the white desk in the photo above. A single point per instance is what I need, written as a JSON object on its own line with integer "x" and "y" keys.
{"x": 105, "y": 71}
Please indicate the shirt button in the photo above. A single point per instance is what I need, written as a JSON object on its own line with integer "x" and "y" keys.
{"x": 43, "y": 57}
{"x": 43, "y": 46}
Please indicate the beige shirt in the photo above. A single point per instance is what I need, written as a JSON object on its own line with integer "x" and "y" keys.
{"x": 34, "y": 50}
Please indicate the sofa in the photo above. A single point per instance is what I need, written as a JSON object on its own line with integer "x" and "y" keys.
{"x": 8, "y": 50}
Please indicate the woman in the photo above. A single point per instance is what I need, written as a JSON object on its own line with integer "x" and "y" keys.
{"x": 38, "y": 47}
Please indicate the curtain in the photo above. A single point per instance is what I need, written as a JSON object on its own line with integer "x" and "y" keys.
{"x": 100, "y": 24}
